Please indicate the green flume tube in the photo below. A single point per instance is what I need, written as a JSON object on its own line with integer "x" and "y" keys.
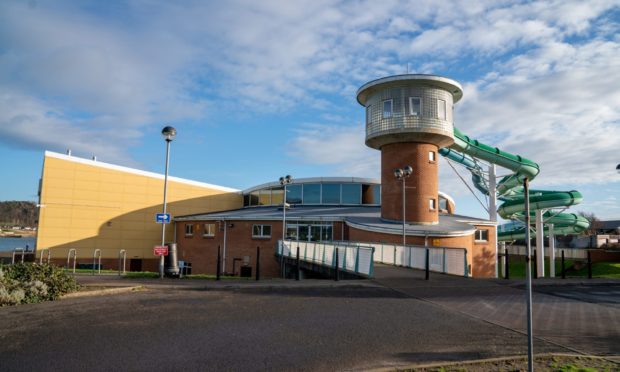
{"x": 465, "y": 150}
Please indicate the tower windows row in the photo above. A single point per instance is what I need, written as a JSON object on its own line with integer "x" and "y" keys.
{"x": 415, "y": 109}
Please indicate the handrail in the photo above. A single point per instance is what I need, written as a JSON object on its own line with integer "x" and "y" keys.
{"x": 49, "y": 256}
{"x": 74, "y": 251}
{"x": 15, "y": 252}
{"x": 122, "y": 253}
{"x": 353, "y": 257}
{"x": 96, "y": 254}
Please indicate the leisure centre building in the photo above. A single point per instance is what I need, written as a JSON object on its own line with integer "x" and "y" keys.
{"x": 89, "y": 205}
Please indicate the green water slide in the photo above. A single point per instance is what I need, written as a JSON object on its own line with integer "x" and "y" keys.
{"x": 510, "y": 188}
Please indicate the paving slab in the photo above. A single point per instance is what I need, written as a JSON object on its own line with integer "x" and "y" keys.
{"x": 572, "y": 315}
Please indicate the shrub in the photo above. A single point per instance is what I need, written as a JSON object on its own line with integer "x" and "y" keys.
{"x": 23, "y": 283}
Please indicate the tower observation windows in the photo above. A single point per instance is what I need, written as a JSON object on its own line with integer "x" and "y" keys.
{"x": 415, "y": 106}
{"x": 387, "y": 108}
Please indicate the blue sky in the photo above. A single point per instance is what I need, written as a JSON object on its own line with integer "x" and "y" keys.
{"x": 259, "y": 89}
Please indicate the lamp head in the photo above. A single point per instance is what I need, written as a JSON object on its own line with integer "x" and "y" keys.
{"x": 407, "y": 170}
{"x": 618, "y": 168}
{"x": 398, "y": 173}
{"x": 169, "y": 133}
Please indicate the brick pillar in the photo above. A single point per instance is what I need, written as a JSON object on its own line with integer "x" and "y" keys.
{"x": 421, "y": 186}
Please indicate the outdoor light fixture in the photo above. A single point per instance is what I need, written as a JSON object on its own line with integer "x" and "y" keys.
{"x": 284, "y": 181}
{"x": 169, "y": 133}
{"x": 618, "y": 168}
{"x": 403, "y": 174}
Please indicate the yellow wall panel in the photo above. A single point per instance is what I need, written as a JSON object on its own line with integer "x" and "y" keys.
{"x": 90, "y": 205}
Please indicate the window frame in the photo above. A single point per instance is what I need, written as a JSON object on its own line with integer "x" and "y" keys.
{"x": 479, "y": 236}
{"x": 411, "y": 113}
{"x": 262, "y": 231}
{"x": 206, "y": 232}
{"x": 368, "y": 114}
{"x": 189, "y": 229}
{"x": 445, "y": 109}
{"x": 391, "y": 101}
{"x": 432, "y": 204}
{"x": 432, "y": 156}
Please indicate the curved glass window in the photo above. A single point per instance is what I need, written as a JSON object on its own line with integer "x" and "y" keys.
{"x": 312, "y": 193}
{"x": 351, "y": 193}
{"x": 293, "y": 194}
{"x": 328, "y": 193}
{"x": 331, "y": 193}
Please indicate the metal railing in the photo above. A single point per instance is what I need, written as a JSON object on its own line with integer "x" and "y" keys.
{"x": 97, "y": 254}
{"x": 442, "y": 259}
{"x": 73, "y": 252}
{"x": 352, "y": 257}
{"x": 122, "y": 258}
{"x": 49, "y": 256}
{"x": 21, "y": 250}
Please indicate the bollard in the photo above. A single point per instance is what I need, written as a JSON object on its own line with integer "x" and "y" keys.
{"x": 428, "y": 265}
{"x": 336, "y": 270}
{"x": 589, "y": 265}
{"x": 563, "y": 268}
{"x": 297, "y": 265}
{"x": 535, "y": 266}
{"x": 507, "y": 265}
{"x": 257, "y": 263}
{"x": 219, "y": 264}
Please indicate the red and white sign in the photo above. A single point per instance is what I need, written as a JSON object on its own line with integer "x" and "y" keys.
{"x": 160, "y": 250}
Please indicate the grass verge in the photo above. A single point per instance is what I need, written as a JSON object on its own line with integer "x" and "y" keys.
{"x": 560, "y": 363}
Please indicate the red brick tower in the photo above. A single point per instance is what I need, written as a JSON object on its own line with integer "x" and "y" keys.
{"x": 408, "y": 118}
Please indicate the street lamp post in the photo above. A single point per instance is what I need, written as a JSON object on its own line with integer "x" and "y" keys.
{"x": 402, "y": 174}
{"x": 284, "y": 181}
{"x": 169, "y": 133}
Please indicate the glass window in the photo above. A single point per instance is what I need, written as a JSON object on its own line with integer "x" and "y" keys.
{"x": 209, "y": 229}
{"x": 246, "y": 200}
{"x": 189, "y": 229}
{"x": 368, "y": 115}
{"x": 431, "y": 204}
{"x": 371, "y": 194}
{"x": 387, "y": 109}
{"x": 261, "y": 231}
{"x": 431, "y": 156}
{"x": 326, "y": 233}
{"x": 415, "y": 106}
{"x": 264, "y": 197}
{"x": 441, "y": 109}
{"x": 482, "y": 235}
{"x": 291, "y": 232}
{"x": 331, "y": 193}
{"x": 312, "y": 193}
{"x": 293, "y": 194}
{"x": 351, "y": 193}
{"x": 276, "y": 196}
{"x": 254, "y": 197}
{"x": 443, "y": 204}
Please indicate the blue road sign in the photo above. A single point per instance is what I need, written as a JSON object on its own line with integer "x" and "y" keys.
{"x": 162, "y": 218}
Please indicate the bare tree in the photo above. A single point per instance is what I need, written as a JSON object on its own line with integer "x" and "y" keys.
{"x": 595, "y": 223}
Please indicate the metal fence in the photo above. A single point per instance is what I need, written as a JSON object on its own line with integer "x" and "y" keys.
{"x": 569, "y": 253}
{"x": 441, "y": 259}
{"x": 352, "y": 257}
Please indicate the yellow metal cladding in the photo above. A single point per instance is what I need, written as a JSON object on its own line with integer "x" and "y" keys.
{"x": 88, "y": 205}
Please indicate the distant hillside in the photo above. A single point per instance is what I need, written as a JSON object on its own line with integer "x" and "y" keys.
{"x": 18, "y": 213}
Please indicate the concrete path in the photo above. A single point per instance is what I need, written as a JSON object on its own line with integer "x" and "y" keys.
{"x": 577, "y": 315}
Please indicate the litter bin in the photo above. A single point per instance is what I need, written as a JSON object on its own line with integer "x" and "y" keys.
{"x": 246, "y": 272}
{"x": 171, "y": 263}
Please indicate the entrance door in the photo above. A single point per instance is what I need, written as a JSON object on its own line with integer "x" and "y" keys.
{"x": 303, "y": 232}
